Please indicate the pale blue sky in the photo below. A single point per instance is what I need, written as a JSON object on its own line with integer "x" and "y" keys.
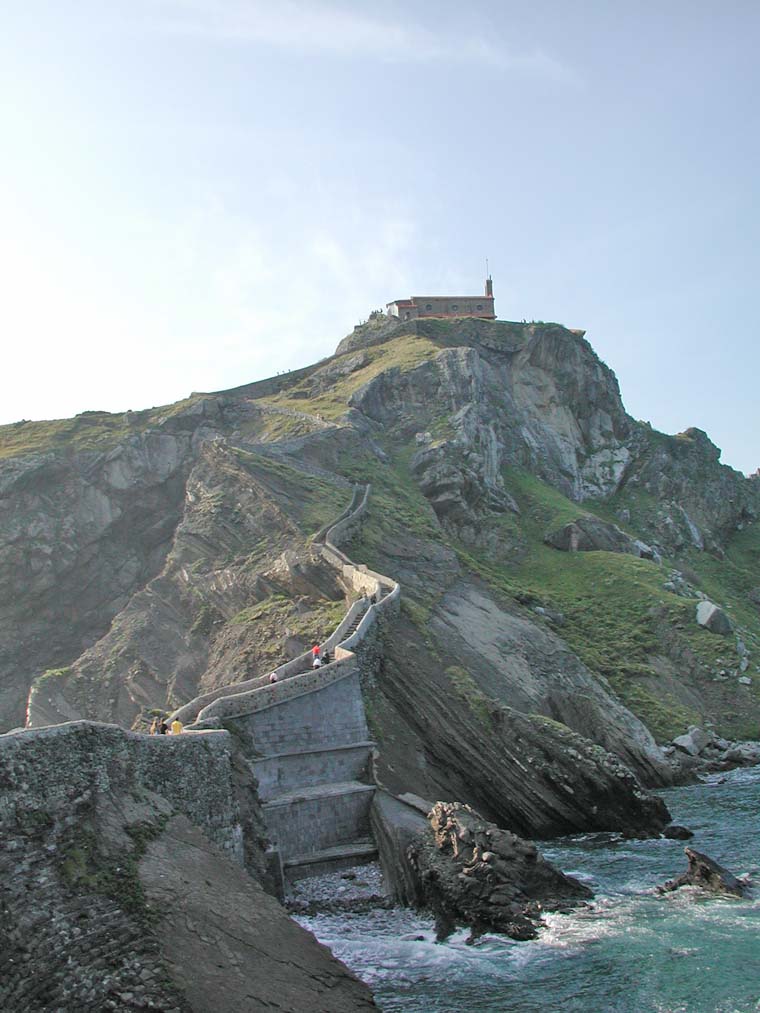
{"x": 199, "y": 193}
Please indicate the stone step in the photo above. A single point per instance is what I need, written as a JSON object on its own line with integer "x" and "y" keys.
{"x": 284, "y": 773}
{"x": 314, "y": 793}
{"x": 343, "y": 856}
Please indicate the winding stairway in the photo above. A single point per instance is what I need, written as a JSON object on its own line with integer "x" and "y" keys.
{"x": 305, "y": 738}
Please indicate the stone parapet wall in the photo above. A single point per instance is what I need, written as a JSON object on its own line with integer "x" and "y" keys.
{"x": 258, "y": 693}
{"x": 344, "y": 529}
{"x": 263, "y": 697}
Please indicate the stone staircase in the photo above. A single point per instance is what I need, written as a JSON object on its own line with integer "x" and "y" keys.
{"x": 305, "y": 737}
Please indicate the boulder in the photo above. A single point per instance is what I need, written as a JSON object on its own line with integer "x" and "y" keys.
{"x": 677, "y": 833}
{"x": 551, "y": 615}
{"x": 693, "y": 742}
{"x": 743, "y": 754}
{"x": 589, "y": 534}
{"x": 713, "y": 618}
{"x": 644, "y": 551}
{"x": 744, "y": 680}
{"x": 705, "y": 873}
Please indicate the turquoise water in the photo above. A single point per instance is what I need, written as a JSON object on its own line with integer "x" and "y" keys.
{"x": 633, "y": 951}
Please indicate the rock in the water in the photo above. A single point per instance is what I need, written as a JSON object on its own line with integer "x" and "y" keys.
{"x": 471, "y": 872}
{"x": 707, "y": 874}
{"x": 677, "y": 833}
{"x": 713, "y": 618}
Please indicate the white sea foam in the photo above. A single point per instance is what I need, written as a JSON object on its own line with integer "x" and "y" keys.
{"x": 631, "y": 950}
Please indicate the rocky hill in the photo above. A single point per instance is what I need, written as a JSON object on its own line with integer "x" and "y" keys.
{"x": 552, "y": 553}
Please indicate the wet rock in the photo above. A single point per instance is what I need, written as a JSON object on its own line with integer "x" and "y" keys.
{"x": 705, "y": 873}
{"x": 471, "y": 872}
{"x": 743, "y": 754}
{"x": 677, "y": 833}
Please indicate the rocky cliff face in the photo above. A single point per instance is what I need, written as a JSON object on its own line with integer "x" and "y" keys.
{"x": 147, "y": 559}
{"x": 81, "y": 534}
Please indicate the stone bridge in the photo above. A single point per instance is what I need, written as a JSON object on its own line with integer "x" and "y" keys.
{"x": 305, "y": 737}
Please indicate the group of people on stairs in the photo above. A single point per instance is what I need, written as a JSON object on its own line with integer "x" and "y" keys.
{"x": 159, "y": 726}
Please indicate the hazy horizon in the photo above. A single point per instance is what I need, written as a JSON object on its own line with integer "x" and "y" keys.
{"x": 198, "y": 194}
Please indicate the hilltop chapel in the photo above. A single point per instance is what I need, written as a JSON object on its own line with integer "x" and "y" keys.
{"x": 445, "y": 305}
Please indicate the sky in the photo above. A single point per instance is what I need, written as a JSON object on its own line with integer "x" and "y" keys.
{"x": 195, "y": 194}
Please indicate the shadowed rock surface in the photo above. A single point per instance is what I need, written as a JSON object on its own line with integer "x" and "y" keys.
{"x": 232, "y": 947}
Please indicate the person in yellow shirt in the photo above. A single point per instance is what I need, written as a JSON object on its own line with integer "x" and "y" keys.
{"x": 176, "y": 727}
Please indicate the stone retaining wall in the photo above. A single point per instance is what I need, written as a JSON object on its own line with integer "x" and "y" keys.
{"x": 45, "y": 769}
{"x": 332, "y": 715}
{"x": 306, "y": 734}
{"x": 306, "y": 825}
{"x": 73, "y": 934}
{"x": 284, "y": 772}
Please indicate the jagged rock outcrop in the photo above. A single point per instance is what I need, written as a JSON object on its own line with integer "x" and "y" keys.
{"x": 537, "y": 396}
{"x": 439, "y": 733}
{"x": 79, "y": 535}
{"x": 234, "y": 548}
{"x": 706, "y": 874}
{"x": 468, "y": 871}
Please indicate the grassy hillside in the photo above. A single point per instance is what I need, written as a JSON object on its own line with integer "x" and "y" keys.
{"x": 618, "y": 618}
{"x": 91, "y": 430}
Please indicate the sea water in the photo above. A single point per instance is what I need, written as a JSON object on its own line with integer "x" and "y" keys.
{"x": 632, "y": 951}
